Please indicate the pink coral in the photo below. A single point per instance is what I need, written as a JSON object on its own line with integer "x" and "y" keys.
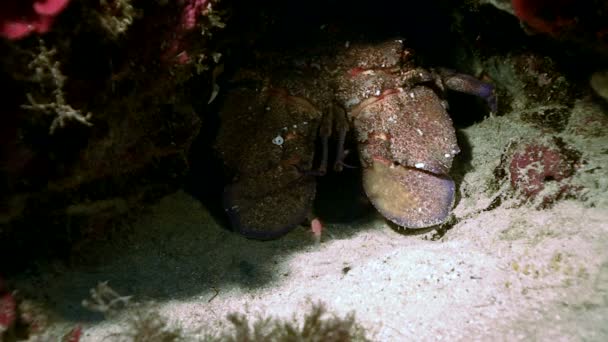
{"x": 20, "y": 18}
{"x": 191, "y": 10}
{"x": 532, "y": 165}
{"x": 8, "y": 315}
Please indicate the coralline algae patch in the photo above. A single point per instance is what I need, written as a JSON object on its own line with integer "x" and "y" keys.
{"x": 540, "y": 169}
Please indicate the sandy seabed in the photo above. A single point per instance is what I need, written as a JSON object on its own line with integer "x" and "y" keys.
{"x": 506, "y": 273}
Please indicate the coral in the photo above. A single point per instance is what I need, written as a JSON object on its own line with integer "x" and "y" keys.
{"x": 316, "y": 327}
{"x": 8, "y": 311}
{"x": 547, "y": 16}
{"x": 116, "y": 16}
{"x": 33, "y": 316}
{"x": 105, "y": 300}
{"x": 151, "y": 326}
{"x": 532, "y": 86}
{"x": 49, "y": 70}
{"x": 144, "y": 323}
{"x": 176, "y": 48}
{"x": 543, "y": 82}
{"x": 21, "y": 318}
{"x": 73, "y": 335}
{"x": 102, "y": 58}
{"x": 532, "y": 165}
{"x": 589, "y": 120}
{"x": 19, "y": 18}
{"x": 147, "y": 326}
{"x": 191, "y": 12}
{"x": 584, "y": 23}
{"x": 548, "y": 119}
{"x": 581, "y": 21}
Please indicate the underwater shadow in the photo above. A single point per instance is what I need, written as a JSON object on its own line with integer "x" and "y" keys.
{"x": 179, "y": 249}
{"x": 175, "y": 251}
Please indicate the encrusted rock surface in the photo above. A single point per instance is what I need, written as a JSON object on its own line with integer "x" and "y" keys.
{"x": 97, "y": 118}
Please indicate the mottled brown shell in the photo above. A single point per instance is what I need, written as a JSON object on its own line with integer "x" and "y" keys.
{"x": 267, "y": 139}
{"x": 407, "y": 144}
{"x": 418, "y": 130}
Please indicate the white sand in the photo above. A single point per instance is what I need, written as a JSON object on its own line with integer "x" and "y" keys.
{"x": 513, "y": 272}
{"x": 508, "y": 273}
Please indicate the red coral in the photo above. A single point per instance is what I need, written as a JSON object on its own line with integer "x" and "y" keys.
{"x": 534, "y": 164}
{"x": 546, "y": 16}
{"x": 74, "y": 335}
{"x": 19, "y": 18}
{"x": 8, "y": 309}
{"x": 582, "y": 21}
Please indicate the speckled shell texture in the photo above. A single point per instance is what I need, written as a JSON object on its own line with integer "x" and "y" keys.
{"x": 407, "y": 144}
{"x": 268, "y": 138}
